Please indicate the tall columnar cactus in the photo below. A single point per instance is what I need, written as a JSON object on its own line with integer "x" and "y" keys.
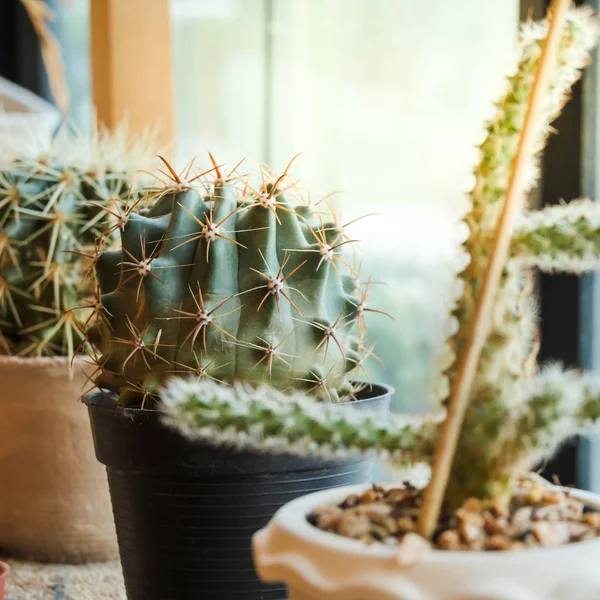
{"x": 508, "y": 359}
{"x": 233, "y": 283}
{"x": 515, "y": 415}
{"x": 52, "y": 208}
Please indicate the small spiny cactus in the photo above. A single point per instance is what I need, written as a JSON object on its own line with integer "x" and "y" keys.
{"x": 223, "y": 280}
{"x": 53, "y": 206}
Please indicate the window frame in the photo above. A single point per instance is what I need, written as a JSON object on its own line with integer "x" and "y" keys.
{"x": 588, "y": 465}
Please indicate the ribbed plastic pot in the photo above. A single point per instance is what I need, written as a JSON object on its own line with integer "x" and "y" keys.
{"x": 4, "y": 571}
{"x": 185, "y": 513}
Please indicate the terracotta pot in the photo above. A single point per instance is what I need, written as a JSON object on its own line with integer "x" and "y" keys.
{"x": 54, "y": 500}
{"x": 316, "y": 565}
{"x": 4, "y": 571}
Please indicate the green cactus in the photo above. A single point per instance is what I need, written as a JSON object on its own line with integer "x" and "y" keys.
{"x": 557, "y": 404}
{"x": 508, "y": 359}
{"x": 271, "y": 421}
{"x": 222, "y": 280}
{"x": 52, "y": 208}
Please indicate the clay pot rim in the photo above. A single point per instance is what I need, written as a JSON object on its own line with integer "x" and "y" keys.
{"x": 28, "y": 362}
{"x": 291, "y": 522}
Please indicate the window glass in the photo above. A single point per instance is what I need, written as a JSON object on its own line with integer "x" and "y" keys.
{"x": 220, "y": 76}
{"x": 386, "y": 100}
{"x": 72, "y": 27}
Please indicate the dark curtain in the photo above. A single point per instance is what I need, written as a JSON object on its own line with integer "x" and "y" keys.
{"x": 20, "y": 59}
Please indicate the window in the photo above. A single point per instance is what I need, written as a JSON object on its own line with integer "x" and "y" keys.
{"x": 72, "y": 29}
{"x": 386, "y": 99}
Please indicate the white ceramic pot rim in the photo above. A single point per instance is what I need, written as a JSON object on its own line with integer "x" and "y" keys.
{"x": 293, "y": 517}
{"x": 315, "y": 564}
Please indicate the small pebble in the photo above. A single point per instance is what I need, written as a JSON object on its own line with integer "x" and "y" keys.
{"x": 551, "y": 534}
{"x": 535, "y": 495}
{"x": 530, "y": 540}
{"x": 329, "y": 517}
{"x": 379, "y": 532}
{"x": 449, "y": 540}
{"x": 578, "y": 530}
{"x": 406, "y": 524}
{"x": 499, "y": 509}
{"x": 390, "y": 524}
{"x": 350, "y": 501}
{"x": 368, "y": 497}
{"x": 374, "y": 511}
{"x": 549, "y": 512}
{"x": 470, "y": 533}
{"x": 470, "y": 525}
{"x": 574, "y": 509}
{"x": 496, "y": 542}
{"x": 520, "y": 522}
{"x": 493, "y": 525}
{"x": 472, "y": 518}
{"x": 352, "y": 525}
{"x": 554, "y": 497}
{"x": 472, "y": 505}
{"x": 397, "y": 496}
{"x": 592, "y": 519}
{"x": 562, "y": 532}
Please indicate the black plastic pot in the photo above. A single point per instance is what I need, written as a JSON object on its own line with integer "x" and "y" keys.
{"x": 185, "y": 513}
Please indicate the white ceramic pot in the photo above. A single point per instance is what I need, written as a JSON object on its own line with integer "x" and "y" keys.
{"x": 317, "y": 565}
{"x": 54, "y": 500}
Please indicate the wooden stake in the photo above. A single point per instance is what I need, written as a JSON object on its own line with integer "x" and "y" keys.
{"x": 480, "y": 325}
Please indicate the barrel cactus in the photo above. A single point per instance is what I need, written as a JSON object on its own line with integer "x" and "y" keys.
{"x": 53, "y": 206}
{"x": 230, "y": 282}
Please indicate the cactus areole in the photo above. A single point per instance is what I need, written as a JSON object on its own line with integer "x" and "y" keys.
{"x": 223, "y": 281}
